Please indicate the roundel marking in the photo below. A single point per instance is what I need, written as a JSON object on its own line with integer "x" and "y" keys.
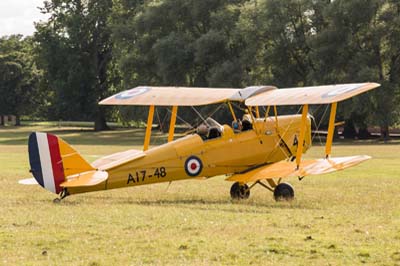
{"x": 193, "y": 166}
{"x": 131, "y": 93}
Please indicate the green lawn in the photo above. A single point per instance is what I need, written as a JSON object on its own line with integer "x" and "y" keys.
{"x": 347, "y": 218}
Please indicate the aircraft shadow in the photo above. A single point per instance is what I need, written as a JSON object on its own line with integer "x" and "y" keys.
{"x": 226, "y": 205}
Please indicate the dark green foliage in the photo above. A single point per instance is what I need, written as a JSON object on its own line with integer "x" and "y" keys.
{"x": 86, "y": 46}
{"x": 75, "y": 50}
{"x": 356, "y": 44}
{"x": 285, "y": 43}
{"x": 19, "y": 78}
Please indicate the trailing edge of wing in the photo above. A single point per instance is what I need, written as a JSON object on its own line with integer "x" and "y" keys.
{"x": 307, "y": 167}
{"x": 181, "y": 96}
{"x": 310, "y": 95}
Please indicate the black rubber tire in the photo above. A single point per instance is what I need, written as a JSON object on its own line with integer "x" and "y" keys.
{"x": 283, "y": 191}
{"x": 239, "y": 191}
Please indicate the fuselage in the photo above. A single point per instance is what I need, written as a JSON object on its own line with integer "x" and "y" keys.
{"x": 268, "y": 141}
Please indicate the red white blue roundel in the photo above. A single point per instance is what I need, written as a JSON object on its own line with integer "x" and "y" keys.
{"x": 193, "y": 166}
{"x": 131, "y": 93}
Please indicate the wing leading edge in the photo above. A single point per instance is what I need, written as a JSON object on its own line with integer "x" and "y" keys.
{"x": 182, "y": 96}
{"x": 253, "y": 96}
{"x": 310, "y": 95}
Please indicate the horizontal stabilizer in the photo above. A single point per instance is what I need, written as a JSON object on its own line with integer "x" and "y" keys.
{"x": 307, "y": 167}
{"x": 28, "y": 181}
{"x": 90, "y": 178}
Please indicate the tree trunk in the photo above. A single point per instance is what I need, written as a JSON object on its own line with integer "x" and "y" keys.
{"x": 17, "y": 120}
{"x": 335, "y": 134}
{"x": 1, "y": 120}
{"x": 349, "y": 131}
{"x": 100, "y": 122}
{"x": 385, "y": 133}
{"x": 363, "y": 133}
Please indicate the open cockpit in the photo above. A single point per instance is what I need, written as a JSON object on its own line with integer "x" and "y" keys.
{"x": 210, "y": 129}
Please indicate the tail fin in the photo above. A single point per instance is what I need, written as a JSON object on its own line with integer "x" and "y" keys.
{"x": 52, "y": 160}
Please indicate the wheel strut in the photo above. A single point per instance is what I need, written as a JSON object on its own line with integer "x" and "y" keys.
{"x": 63, "y": 194}
{"x": 282, "y": 191}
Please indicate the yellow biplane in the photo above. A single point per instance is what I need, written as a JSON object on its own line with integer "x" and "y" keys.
{"x": 258, "y": 149}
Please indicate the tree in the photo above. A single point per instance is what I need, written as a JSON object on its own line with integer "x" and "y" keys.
{"x": 170, "y": 42}
{"x": 89, "y": 49}
{"x": 75, "y": 50}
{"x": 357, "y": 44}
{"x": 286, "y": 27}
{"x": 19, "y": 78}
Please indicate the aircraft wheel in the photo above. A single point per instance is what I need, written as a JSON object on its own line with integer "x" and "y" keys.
{"x": 240, "y": 191}
{"x": 283, "y": 191}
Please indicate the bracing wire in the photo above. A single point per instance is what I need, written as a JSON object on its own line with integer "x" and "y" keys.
{"x": 319, "y": 124}
{"x": 282, "y": 136}
{"x": 165, "y": 118}
{"x": 159, "y": 120}
{"x": 180, "y": 118}
{"x": 198, "y": 113}
{"x": 208, "y": 115}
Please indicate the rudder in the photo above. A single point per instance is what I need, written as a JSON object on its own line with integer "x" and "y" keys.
{"x": 52, "y": 160}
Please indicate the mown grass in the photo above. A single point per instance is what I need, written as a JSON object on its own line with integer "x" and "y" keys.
{"x": 350, "y": 217}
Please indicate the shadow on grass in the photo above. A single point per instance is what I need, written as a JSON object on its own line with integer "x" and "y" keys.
{"x": 225, "y": 205}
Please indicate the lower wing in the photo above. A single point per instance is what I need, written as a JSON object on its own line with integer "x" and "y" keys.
{"x": 307, "y": 167}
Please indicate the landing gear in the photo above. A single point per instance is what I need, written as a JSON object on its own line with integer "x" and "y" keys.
{"x": 56, "y": 200}
{"x": 283, "y": 191}
{"x": 240, "y": 191}
{"x": 64, "y": 193}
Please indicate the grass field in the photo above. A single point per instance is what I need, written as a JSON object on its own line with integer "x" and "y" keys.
{"x": 350, "y": 217}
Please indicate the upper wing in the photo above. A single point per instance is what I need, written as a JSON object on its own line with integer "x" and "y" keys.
{"x": 169, "y": 96}
{"x": 310, "y": 95}
{"x": 181, "y": 96}
{"x": 308, "y": 167}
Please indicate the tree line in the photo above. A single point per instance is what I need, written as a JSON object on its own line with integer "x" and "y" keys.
{"x": 88, "y": 50}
